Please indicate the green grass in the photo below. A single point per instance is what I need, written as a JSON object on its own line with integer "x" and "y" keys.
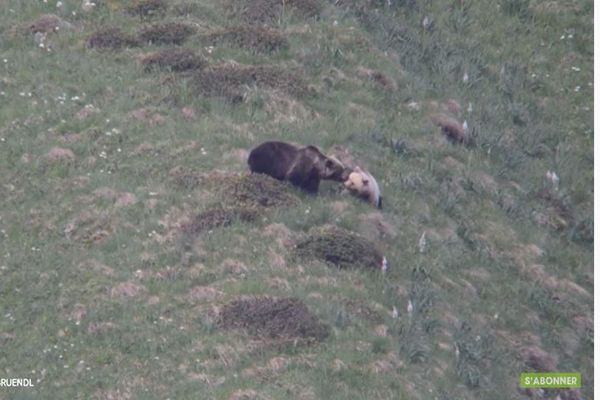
{"x": 503, "y": 268}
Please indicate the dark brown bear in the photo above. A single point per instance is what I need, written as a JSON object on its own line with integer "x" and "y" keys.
{"x": 302, "y": 166}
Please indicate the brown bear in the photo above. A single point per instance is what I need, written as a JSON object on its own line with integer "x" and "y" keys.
{"x": 304, "y": 167}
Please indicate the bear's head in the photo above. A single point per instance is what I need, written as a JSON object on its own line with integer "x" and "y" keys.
{"x": 362, "y": 184}
{"x": 328, "y": 167}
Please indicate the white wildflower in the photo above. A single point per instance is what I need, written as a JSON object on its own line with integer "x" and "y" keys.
{"x": 422, "y": 243}
{"x": 552, "y": 178}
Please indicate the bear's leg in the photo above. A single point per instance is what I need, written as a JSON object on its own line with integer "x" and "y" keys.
{"x": 309, "y": 184}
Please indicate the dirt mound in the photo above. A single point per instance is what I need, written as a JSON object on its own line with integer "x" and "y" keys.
{"x": 452, "y": 130}
{"x": 111, "y": 38}
{"x": 257, "y": 190}
{"x": 339, "y": 247}
{"x": 48, "y": 23}
{"x": 229, "y": 81}
{"x": 259, "y": 12}
{"x": 218, "y": 217}
{"x": 258, "y": 39}
{"x": 286, "y": 318}
{"x": 174, "y": 59}
{"x": 167, "y": 33}
{"x": 147, "y": 8}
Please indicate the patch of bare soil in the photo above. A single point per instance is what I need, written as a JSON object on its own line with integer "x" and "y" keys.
{"x": 339, "y": 247}
{"x": 89, "y": 227}
{"x": 218, "y": 217}
{"x": 259, "y": 12}
{"x": 230, "y": 81}
{"x": 377, "y": 77}
{"x": 147, "y": 8}
{"x": 258, "y": 39}
{"x": 111, "y": 38}
{"x": 174, "y": 59}
{"x": 166, "y": 33}
{"x": 286, "y": 318}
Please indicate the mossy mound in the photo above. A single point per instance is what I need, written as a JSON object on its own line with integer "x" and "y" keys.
{"x": 111, "y": 38}
{"x": 219, "y": 217}
{"x": 339, "y": 247}
{"x": 174, "y": 59}
{"x": 286, "y": 318}
{"x": 257, "y": 190}
{"x": 231, "y": 80}
{"x": 258, "y": 39}
{"x": 167, "y": 33}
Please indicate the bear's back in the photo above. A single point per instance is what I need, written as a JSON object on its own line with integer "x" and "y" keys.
{"x": 273, "y": 158}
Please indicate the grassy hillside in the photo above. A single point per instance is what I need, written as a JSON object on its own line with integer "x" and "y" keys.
{"x": 138, "y": 260}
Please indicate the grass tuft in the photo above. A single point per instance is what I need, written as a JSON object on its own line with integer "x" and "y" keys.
{"x": 285, "y": 318}
{"x": 339, "y": 247}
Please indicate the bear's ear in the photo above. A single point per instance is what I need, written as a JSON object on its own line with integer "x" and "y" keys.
{"x": 313, "y": 149}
